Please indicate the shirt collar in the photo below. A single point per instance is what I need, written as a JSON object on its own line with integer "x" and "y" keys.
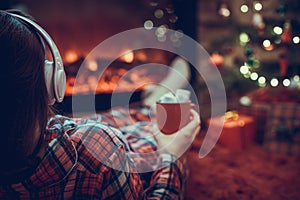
{"x": 60, "y": 157}
{"x": 58, "y": 162}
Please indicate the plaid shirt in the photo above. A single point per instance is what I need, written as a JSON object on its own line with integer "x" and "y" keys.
{"x": 72, "y": 169}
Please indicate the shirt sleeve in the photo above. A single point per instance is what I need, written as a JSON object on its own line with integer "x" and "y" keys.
{"x": 168, "y": 182}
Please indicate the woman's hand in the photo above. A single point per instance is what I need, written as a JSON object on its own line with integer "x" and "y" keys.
{"x": 181, "y": 140}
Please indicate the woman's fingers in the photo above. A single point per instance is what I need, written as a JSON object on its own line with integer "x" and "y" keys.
{"x": 193, "y": 124}
{"x": 181, "y": 140}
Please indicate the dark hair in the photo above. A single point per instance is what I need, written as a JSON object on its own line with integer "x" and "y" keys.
{"x": 24, "y": 95}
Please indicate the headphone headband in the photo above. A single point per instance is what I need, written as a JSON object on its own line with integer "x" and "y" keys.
{"x": 57, "y": 81}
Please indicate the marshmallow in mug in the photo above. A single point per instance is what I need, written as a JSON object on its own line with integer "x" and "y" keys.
{"x": 168, "y": 98}
{"x": 183, "y": 95}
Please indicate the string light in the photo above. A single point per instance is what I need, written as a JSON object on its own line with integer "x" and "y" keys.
{"x": 244, "y": 69}
{"x": 262, "y": 81}
{"x": 257, "y": 6}
{"x": 268, "y": 46}
{"x": 153, "y": 3}
{"x": 266, "y": 43}
{"x": 274, "y": 82}
{"x": 296, "y": 40}
{"x": 286, "y": 82}
{"x": 224, "y": 11}
{"x": 277, "y": 30}
{"x": 159, "y": 13}
{"x": 250, "y": 68}
{"x": 244, "y": 8}
{"x": 244, "y": 38}
{"x": 245, "y": 100}
{"x": 163, "y": 18}
{"x": 254, "y": 76}
{"x": 148, "y": 24}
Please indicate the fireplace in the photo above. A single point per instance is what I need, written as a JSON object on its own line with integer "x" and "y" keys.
{"x": 79, "y": 26}
{"x": 121, "y": 78}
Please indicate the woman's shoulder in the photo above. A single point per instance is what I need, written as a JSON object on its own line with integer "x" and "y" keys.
{"x": 84, "y": 128}
{"x": 96, "y": 143}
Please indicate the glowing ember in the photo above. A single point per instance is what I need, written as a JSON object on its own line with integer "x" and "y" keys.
{"x": 128, "y": 58}
{"x": 71, "y": 56}
{"x": 112, "y": 80}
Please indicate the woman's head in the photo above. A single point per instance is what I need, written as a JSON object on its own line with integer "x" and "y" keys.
{"x": 25, "y": 108}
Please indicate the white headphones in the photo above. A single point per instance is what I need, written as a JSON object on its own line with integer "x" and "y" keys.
{"x": 54, "y": 71}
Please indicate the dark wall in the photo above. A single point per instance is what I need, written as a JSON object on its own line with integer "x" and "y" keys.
{"x": 186, "y": 10}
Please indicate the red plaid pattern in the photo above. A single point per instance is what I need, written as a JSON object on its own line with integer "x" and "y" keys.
{"x": 283, "y": 128}
{"x": 70, "y": 170}
{"x": 259, "y": 112}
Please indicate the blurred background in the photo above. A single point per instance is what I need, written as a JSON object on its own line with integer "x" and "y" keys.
{"x": 254, "y": 44}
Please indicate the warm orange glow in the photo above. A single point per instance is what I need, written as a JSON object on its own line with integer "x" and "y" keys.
{"x": 112, "y": 80}
{"x": 231, "y": 115}
{"x": 217, "y": 59}
{"x": 128, "y": 57}
{"x": 141, "y": 56}
{"x": 269, "y": 48}
{"x": 92, "y": 65}
{"x": 241, "y": 123}
{"x": 69, "y": 86}
{"x": 71, "y": 56}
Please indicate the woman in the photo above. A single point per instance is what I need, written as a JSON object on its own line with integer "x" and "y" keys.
{"x": 48, "y": 156}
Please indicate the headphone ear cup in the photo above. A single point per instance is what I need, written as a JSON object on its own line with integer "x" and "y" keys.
{"x": 49, "y": 81}
{"x": 54, "y": 71}
{"x": 59, "y": 84}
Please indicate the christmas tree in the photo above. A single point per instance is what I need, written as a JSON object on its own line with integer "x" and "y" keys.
{"x": 258, "y": 43}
